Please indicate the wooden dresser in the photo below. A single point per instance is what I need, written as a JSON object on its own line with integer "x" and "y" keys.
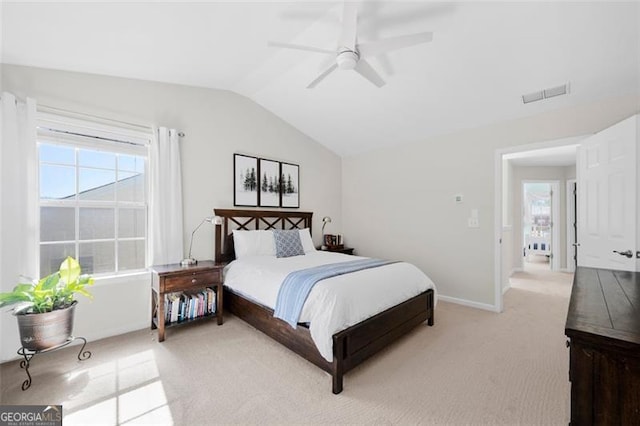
{"x": 603, "y": 327}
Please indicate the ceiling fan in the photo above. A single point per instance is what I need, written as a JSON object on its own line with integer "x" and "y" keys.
{"x": 351, "y": 55}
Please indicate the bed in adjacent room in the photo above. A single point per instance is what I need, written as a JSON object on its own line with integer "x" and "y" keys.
{"x": 357, "y": 306}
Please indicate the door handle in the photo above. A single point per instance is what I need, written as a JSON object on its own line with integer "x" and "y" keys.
{"x": 627, "y": 253}
{"x": 638, "y": 254}
{"x": 576, "y": 244}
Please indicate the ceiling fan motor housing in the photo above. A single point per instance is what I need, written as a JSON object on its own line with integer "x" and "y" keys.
{"x": 347, "y": 59}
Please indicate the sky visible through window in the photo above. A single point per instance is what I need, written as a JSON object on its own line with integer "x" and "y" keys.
{"x": 96, "y": 169}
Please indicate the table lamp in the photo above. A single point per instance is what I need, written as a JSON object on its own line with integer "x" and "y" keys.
{"x": 190, "y": 260}
{"x": 325, "y": 220}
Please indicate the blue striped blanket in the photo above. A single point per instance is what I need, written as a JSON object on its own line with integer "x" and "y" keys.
{"x": 298, "y": 284}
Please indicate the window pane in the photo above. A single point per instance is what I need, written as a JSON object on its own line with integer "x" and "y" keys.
{"x": 131, "y": 223}
{"x": 105, "y": 160}
{"x": 97, "y": 184}
{"x": 57, "y": 182}
{"x": 57, "y": 154}
{"x": 130, "y": 255}
{"x": 97, "y": 258}
{"x": 57, "y": 224}
{"x": 131, "y": 163}
{"x": 131, "y": 187}
{"x": 96, "y": 223}
{"x": 52, "y": 255}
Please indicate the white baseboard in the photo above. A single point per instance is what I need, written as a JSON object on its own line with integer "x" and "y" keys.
{"x": 103, "y": 334}
{"x": 514, "y": 270}
{"x": 470, "y": 303}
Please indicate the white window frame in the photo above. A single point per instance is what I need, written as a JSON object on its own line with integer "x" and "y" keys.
{"x": 81, "y": 134}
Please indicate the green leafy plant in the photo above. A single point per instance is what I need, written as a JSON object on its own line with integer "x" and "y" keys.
{"x": 55, "y": 291}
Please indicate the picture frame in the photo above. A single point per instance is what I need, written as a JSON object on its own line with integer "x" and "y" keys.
{"x": 269, "y": 183}
{"x": 245, "y": 180}
{"x": 290, "y": 185}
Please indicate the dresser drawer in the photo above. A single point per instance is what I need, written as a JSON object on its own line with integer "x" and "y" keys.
{"x": 195, "y": 279}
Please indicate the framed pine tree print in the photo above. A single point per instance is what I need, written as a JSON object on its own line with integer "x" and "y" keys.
{"x": 269, "y": 183}
{"x": 245, "y": 180}
{"x": 290, "y": 185}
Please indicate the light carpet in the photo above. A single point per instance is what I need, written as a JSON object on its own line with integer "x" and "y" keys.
{"x": 473, "y": 367}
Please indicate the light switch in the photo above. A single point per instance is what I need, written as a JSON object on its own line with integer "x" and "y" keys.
{"x": 473, "y": 222}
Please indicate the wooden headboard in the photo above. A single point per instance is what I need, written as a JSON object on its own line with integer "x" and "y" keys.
{"x": 252, "y": 220}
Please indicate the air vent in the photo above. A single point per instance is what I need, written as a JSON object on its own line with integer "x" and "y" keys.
{"x": 555, "y": 91}
{"x": 545, "y": 93}
{"x": 532, "y": 97}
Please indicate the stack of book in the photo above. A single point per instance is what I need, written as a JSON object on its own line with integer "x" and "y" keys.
{"x": 189, "y": 305}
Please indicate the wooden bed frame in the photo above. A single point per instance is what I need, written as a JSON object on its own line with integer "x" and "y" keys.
{"x": 350, "y": 346}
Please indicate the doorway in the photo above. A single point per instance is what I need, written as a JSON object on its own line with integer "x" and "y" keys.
{"x": 508, "y": 177}
{"x": 540, "y": 212}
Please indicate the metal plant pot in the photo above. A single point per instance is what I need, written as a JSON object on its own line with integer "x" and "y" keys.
{"x": 43, "y": 331}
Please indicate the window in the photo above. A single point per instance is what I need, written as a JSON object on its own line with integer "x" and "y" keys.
{"x": 93, "y": 201}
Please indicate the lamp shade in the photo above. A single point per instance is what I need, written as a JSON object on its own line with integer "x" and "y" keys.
{"x": 325, "y": 220}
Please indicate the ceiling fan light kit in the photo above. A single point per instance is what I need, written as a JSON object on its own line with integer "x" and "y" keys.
{"x": 347, "y": 59}
{"x": 351, "y": 55}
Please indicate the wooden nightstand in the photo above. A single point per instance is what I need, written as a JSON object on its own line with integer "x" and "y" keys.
{"x": 189, "y": 281}
{"x": 340, "y": 249}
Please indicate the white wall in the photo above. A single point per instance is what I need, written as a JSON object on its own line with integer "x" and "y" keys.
{"x": 507, "y": 256}
{"x": 217, "y": 124}
{"x": 399, "y": 202}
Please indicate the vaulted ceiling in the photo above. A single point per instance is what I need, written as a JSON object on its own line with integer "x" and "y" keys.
{"x": 483, "y": 58}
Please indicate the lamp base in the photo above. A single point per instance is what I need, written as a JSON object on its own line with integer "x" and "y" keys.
{"x": 188, "y": 262}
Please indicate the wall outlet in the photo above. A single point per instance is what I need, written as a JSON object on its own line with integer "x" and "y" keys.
{"x": 473, "y": 222}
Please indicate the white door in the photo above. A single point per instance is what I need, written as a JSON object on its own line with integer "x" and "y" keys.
{"x": 571, "y": 225}
{"x": 607, "y": 192}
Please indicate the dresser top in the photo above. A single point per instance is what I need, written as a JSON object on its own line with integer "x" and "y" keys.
{"x": 605, "y": 304}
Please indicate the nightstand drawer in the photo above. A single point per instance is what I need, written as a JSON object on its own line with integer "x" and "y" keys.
{"x": 196, "y": 279}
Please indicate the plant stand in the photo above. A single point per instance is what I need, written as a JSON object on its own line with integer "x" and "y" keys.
{"x": 28, "y": 354}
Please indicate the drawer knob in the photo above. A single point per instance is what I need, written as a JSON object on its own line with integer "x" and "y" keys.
{"x": 193, "y": 281}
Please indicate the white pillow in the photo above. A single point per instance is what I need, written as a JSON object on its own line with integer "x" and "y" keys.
{"x": 253, "y": 243}
{"x": 307, "y": 242}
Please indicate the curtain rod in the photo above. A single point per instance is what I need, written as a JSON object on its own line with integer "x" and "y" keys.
{"x": 104, "y": 119}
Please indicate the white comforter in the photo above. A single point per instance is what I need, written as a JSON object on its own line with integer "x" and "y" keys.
{"x": 334, "y": 304}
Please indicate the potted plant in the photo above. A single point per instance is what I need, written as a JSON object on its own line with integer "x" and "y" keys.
{"x": 46, "y": 306}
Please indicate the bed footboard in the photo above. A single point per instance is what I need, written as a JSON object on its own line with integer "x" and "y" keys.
{"x": 351, "y": 346}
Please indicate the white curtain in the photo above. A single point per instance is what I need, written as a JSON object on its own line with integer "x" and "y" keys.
{"x": 165, "y": 200}
{"x": 19, "y": 251}
{"x": 19, "y": 189}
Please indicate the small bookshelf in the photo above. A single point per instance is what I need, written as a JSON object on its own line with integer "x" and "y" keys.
{"x": 183, "y": 294}
{"x": 186, "y": 306}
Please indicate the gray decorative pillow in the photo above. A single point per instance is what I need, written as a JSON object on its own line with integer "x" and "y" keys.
{"x": 288, "y": 243}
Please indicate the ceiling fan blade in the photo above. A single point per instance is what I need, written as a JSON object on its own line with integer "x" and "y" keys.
{"x": 388, "y": 44}
{"x": 364, "y": 69}
{"x": 322, "y": 76}
{"x": 301, "y": 47}
{"x": 349, "y": 25}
